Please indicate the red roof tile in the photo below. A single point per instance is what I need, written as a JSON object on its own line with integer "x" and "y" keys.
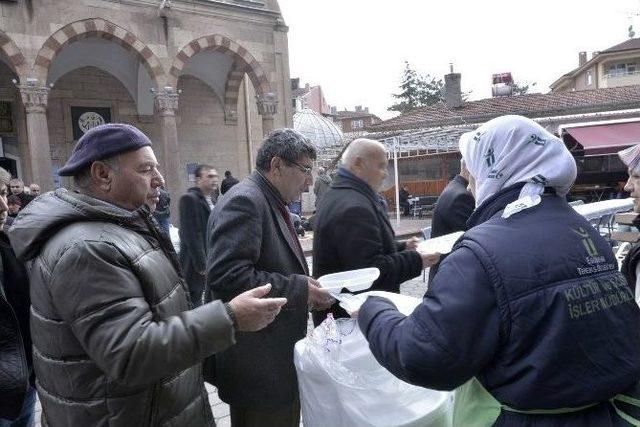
{"x": 530, "y": 105}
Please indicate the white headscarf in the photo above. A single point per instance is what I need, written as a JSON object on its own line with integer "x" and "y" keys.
{"x": 512, "y": 149}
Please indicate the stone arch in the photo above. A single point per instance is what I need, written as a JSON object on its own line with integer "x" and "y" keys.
{"x": 17, "y": 61}
{"x": 243, "y": 63}
{"x": 101, "y": 28}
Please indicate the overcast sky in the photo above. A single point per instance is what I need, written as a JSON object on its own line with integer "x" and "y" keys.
{"x": 355, "y": 49}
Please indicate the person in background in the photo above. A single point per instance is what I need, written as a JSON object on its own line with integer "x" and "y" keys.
{"x": 116, "y": 341}
{"x": 252, "y": 241}
{"x": 404, "y": 196}
{"x": 35, "y": 189}
{"x": 631, "y": 263}
{"x": 162, "y": 213}
{"x": 195, "y": 208}
{"x": 17, "y": 188}
{"x": 17, "y": 381}
{"x": 322, "y": 184}
{"x": 529, "y": 309}
{"x": 454, "y": 207}
{"x": 15, "y": 204}
{"x": 352, "y": 228}
{"x": 228, "y": 182}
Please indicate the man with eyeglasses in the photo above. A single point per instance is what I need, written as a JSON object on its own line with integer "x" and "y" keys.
{"x": 252, "y": 241}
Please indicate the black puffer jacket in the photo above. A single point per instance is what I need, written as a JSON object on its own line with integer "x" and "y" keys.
{"x": 115, "y": 341}
{"x": 15, "y": 342}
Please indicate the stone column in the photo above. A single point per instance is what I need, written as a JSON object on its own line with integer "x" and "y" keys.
{"x": 166, "y": 105}
{"x": 34, "y": 99}
{"x": 267, "y": 108}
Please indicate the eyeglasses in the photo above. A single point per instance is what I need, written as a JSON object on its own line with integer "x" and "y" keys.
{"x": 303, "y": 169}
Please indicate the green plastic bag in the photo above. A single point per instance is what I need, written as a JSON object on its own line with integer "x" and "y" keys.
{"x": 474, "y": 406}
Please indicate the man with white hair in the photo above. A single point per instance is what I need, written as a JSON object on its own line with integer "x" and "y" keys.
{"x": 631, "y": 265}
{"x": 352, "y": 228}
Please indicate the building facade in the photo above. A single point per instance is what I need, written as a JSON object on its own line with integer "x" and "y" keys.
{"x": 204, "y": 79}
{"x": 616, "y": 66}
{"x": 354, "y": 121}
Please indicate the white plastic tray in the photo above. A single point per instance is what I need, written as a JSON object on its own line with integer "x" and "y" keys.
{"x": 353, "y": 280}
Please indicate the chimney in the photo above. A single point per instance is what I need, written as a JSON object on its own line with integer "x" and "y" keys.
{"x": 582, "y": 58}
{"x": 334, "y": 111}
{"x": 295, "y": 83}
{"x": 453, "y": 89}
{"x": 595, "y": 53}
{"x": 366, "y": 110}
{"x": 358, "y": 108}
{"x": 306, "y": 86}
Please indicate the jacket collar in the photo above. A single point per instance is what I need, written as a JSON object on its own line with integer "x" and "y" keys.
{"x": 494, "y": 204}
{"x": 461, "y": 180}
{"x": 198, "y": 193}
{"x": 346, "y": 179}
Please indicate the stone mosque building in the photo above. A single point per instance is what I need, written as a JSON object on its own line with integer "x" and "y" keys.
{"x": 204, "y": 79}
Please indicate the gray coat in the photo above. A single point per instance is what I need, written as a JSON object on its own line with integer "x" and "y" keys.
{"x": 115, "y": 342}
{"x": 250, "y": 245}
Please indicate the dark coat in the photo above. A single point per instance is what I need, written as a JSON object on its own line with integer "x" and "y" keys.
{"x": 194, "y": 214}
{"x": 455, "y": 206}
{"x": 352, "y": 230}
{"x": 16, "y": 364}
{"x": 532, "y": 306}
{"x": 115, "y": 339}
{"x": 227, "y": 183}
{"x": 250, "y": 245}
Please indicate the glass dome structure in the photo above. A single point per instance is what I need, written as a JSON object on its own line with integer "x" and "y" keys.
{"x": 321, "y": 131}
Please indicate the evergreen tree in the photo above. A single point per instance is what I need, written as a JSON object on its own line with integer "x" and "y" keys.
{"x": 417, "y": 91}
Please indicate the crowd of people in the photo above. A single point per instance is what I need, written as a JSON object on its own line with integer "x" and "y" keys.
{"x": 113, "y": 327}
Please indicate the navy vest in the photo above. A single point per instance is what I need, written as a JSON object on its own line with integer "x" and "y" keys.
{"x": 570, "y": 328}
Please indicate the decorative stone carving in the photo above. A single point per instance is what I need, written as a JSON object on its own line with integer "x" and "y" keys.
{"x": 166, "y": 101}
{"x": 267, "y": 104}
{"x": 34, "y": 98}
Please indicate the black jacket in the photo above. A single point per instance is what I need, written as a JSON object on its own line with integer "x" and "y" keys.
{"x": 194, "y": 214}
{"x": 16, "y": 364}
{"x": 227, "y": 183}
{"x": 452, "y": 211}
{"x": 352, "y": 230}
{"x": 250, "y": 245}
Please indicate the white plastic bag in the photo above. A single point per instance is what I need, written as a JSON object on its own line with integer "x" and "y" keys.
{"x": 341, "y": 384}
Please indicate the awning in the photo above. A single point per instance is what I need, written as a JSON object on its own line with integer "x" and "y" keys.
{"x": 607, "y": 138}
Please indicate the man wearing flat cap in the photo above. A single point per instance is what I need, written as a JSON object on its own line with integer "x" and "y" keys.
{"x": 116, "y": 340}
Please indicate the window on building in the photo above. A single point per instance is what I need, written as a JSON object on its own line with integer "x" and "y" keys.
{"x": 621, "y": 69}
{"x": 357, "y": 124}
{"x": 589, "y": 78}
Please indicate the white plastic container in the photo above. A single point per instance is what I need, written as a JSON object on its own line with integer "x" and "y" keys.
{"x": 353, "y": 280}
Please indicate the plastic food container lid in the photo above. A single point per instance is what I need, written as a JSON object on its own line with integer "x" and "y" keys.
{"x": 353, "y": 280}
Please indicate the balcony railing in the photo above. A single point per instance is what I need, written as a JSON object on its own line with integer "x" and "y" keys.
{"x": 617, "y": 74}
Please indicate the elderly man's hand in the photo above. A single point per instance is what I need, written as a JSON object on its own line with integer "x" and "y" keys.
{"x": 430, "y": 259}
{"x": 319, "y": 299}
{"x": 252, "y": 311}
{"x": 412, "y": 244}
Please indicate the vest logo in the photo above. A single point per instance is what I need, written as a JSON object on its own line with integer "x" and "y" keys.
{"x": 587, "y": 242}
{"x": 477, "y": 136}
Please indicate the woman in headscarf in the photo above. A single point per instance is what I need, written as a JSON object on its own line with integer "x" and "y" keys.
{"x": 529, "y": 307}
{"x": 631, "y": 264}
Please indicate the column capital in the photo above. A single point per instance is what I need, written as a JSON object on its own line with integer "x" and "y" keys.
{"x": 34, "y": 98}
{"x": 166, "y": 101}
{"x": 267, "y": 104}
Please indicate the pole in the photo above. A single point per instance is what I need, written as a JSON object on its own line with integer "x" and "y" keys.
{"x": 395, "y": 168}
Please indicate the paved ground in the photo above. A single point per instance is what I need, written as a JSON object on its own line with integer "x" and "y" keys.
{"x": 415, "y": 288}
